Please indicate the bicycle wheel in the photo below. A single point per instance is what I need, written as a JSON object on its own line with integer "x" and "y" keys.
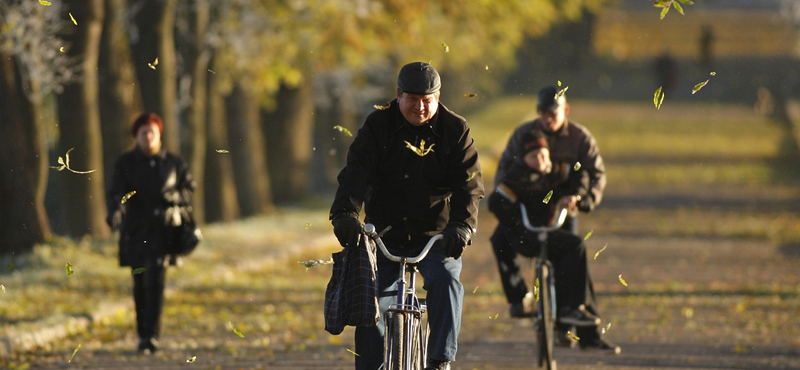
{"x": 394, "y": 341}
{"x": 419, "y": 343}
{"x": 546, "y": 325}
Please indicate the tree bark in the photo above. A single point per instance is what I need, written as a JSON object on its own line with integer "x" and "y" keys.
{"x": 155, "y": 22}
{"x": 221, "y": 202}
{"x": 23, "y": 166}
{"x": 246, "y": 146}
{"x": 121, "y": 98}
{"x": 289, "y": 142}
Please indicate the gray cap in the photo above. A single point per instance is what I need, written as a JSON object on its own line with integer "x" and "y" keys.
{"x": 548, "y": 101}
{"x": 419, "y": 78}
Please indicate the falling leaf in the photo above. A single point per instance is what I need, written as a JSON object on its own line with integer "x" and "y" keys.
{"x": 658, "y": 97}
{"x": 73, "y": 19}
{"x": 486, "y": 67}
{"x": 536, "y": 289}
{"x": 446, "y": 48}
{"x": 45, "y": 3}
{"x": 154, "y": 64}
{"x": 308, "y": 224}
{"x": 10, "y": 266}
{"x": 561, "y": 92}
{"x": 343, "y": 130}
{"x": 138, "y": 271}
{"x": 351, "y": 351}
{"x": 126, "y": 197}
{"x": 470, "y": 95}
{"x": 605, "y": 329}
{"x": 235, "y": 331}
{"x": 699, "y": 86}
{"x": 222, "y": 151}
{"x": 74, "y": 352}
{"x": 191, "y": 360}
{"x": 65, "y": 165}
{"x": 421, "y": 151}
{"x": 2, "y": 288}
{"x": 314, "y": 263}
{"x": 472, "y": 175}
{"x": 559, "y": 83}
{"x": 68, "y": 267}
{"x": 494, "y": 317}
{"x": 621, "y": 280}
{"x": 547, "y": 197}
{"x": 474, "y": 290}
{"x": 572, "y": 336}
{"x": 713, "y": 73}
{"x": 212, "y": 71}
{"x": 382, "y": 107}
{"x": 61, "y": 49}
{"x": 601, "y": 250}
{"x": 577, "y": 166}
{"x": 588, "y": 235}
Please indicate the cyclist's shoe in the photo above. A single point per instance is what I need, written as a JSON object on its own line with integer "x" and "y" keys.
{"x": 526, "y": 308}
{"x": 601, "y": 345}
{"x": 147, "y": 346}
{"x": 564, "y": 340}
{"x": 438, "y": 365}
{"x": 579, "y": 317}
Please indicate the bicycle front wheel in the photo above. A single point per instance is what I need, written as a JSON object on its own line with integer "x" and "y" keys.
{"x": 394, "y": 343}
{"x": 546, "y": 325}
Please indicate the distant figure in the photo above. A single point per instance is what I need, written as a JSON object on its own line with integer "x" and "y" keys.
{"x": 666, "y": 72}
{"x": 147, "y": 185}
{"x": 706, "y": 56}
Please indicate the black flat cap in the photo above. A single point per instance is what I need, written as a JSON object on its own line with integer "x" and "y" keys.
{"x": 548, "y": 101}
{"x": 419, "y": 78}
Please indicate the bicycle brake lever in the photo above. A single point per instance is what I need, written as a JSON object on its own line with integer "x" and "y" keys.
{"x": 380, "y": 234}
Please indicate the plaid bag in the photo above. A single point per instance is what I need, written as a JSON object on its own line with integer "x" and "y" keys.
{"x": 351, "y": 297}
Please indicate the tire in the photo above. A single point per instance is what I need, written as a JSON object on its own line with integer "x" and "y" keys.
{"x": 546, "y": 325}
{"x": 419, "y": 344}
{"x": 394, "y": 346}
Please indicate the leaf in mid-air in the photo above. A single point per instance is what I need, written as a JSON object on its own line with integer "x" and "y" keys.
{"x": 3, "y": 288}
{"x": 572, "y": 336}
{"x": 559, "y": 82}
{"x": 61, "y": 49}
{"x": 547, "y": 197}
{"x": 605, "y": 329}
{"x": 68, "y": 267}
{"x": 421, "y": 151}
{"x": 658, "y": 97}
{"x": 351, "y": 351}
{"x": 126, "y": 197}
{"x": 470, "y": 95}
{"x": 191, "y": 360}
{"x": 713, "y": 73}
{"x": 561, "y": 92}
{"x": 475, "y": 290}
{"x": 536, "y": 289}
{"x": 73, "y": 19}
{"x": 446, "y": 48}
{"x": 343, "y": 130}
{"x": 154, "y": 64}
{"x": 45, "y": 3}
{"x": 138, "y": 271}
{"x": 472, "y": 175}
{"x": 699, "y": 86}
{"x": 382, "y": 107}
{"x": 495, "y": 316}
{"x": 314, "y": 263}
{"x": 65, "y": 164}
{"x": 74, "y": 352}
{"x": 235, "y": 331}
{"x": 577, "y": 166}
{"x": 588, "y": 235}
{"x": 222, "y": 151}
{"x": 621, "y": 280}
{"x": 307, "y": 225}
{"x": 601, "y": 249}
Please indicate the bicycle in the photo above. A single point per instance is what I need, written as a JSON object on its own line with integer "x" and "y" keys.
{"x": 544, "y": 289}
{"x": 405, "y": 339}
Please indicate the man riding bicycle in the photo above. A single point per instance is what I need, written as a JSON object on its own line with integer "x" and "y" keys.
{"x": 415, "y": 167}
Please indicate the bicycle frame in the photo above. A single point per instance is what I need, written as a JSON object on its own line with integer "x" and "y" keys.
{"x": 407, "y": 305}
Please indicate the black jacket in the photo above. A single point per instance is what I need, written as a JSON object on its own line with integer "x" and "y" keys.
{"x": 160, "y": 182}
{"x": 415, "y": 194}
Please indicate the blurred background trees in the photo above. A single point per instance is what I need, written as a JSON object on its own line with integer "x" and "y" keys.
{"x": 250, "y": 90}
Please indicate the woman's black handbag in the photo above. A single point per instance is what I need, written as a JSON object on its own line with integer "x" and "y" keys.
{"x": 183, "y": 239}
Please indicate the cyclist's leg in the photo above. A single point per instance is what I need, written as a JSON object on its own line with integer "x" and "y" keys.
{"x": 445, "y": 297}
{"x": 510, "y": 275}
{"x": 571, "y": 224}
{"x": 573, "y": 282}
{"x": 369, "y": 340}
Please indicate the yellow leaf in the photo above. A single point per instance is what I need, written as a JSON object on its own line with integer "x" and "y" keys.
{"x": 61, "y": 49}
{"x": 601, "y": 249}
{"x": 446, "y": 48}
{"x": 45, "y": 3}
{"x": 191, "y": 360}
{"x": 658, "y": 97}
{"x": 494, "y": 317}
{"x": 343, "y": 130}
{"x": 536, "y": 289}
{"x": 577, "y": 166}
{"x": 351, "y": 351}
{"x": 470, "y": 95}
{"x": 138, "y": 271}
{"x": 486, "y": 67}
{"x": 572, "y": 336}
{"x": 605, "y": 329}
{"x": 713, "y": 73}
{"x": 678, "y": 7}
{"x": 547, "y": 197}
{"x": 126, "y": 197}
{"x": 588, "y": 235}
{"x": 2, "y": 288}
{"x": 421, "y": 151}
{"x": 74, "y": 352}
{"x": 474, "y": 290}
{"x": 382, "y": 107}
{"x": 621, "y": 280}
{"x": 699, "y": 86}
{"x": 308, "y": 224}
{"x": 73, "y": 19}
{"x": 68, "y": 267}
{"x": 559, "y": 82}
{"x": 212, "y": 71}
{"x": 562, "y": 92}
{"x": 314, "y": 263}
{"x": 664, "y": 12}
{"x": 472, "y": 175}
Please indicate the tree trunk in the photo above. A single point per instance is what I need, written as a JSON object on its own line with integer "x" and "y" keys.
{"x": 79, "y": 117}
{"x": 289, "y": 142}
{"x": 197, "y": 57}
{"x": 221, "y": 202}
{"x": 23, "y": 166}
{"x": 121, "y": 99}
{"x": 155, "y": 22}
{"x": 246, "y": 146}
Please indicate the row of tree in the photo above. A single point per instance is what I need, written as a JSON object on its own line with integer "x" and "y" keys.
{"x": 249, "y": 91}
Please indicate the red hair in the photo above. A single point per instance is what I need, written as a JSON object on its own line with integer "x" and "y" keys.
{"x": 147, "y": 118}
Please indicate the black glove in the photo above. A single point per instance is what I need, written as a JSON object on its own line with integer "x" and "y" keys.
{"x": 456, "y": 238}
{"x": 347, "y": 229}
{"x": 586, "y": 204}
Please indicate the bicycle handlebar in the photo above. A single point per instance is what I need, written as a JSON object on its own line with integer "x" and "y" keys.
{"x": 562, "y": 216}
{"x": 369, "y": 229}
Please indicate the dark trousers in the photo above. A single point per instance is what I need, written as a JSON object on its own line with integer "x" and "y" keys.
{"x": 445, "y": 296}
{"x": 148, "y": 297}
{"x": 567, "y": 252}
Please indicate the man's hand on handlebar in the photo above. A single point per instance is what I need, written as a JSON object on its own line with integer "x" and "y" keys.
{"x": 347, "y": 229}
{"x": 456, "y": 238}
